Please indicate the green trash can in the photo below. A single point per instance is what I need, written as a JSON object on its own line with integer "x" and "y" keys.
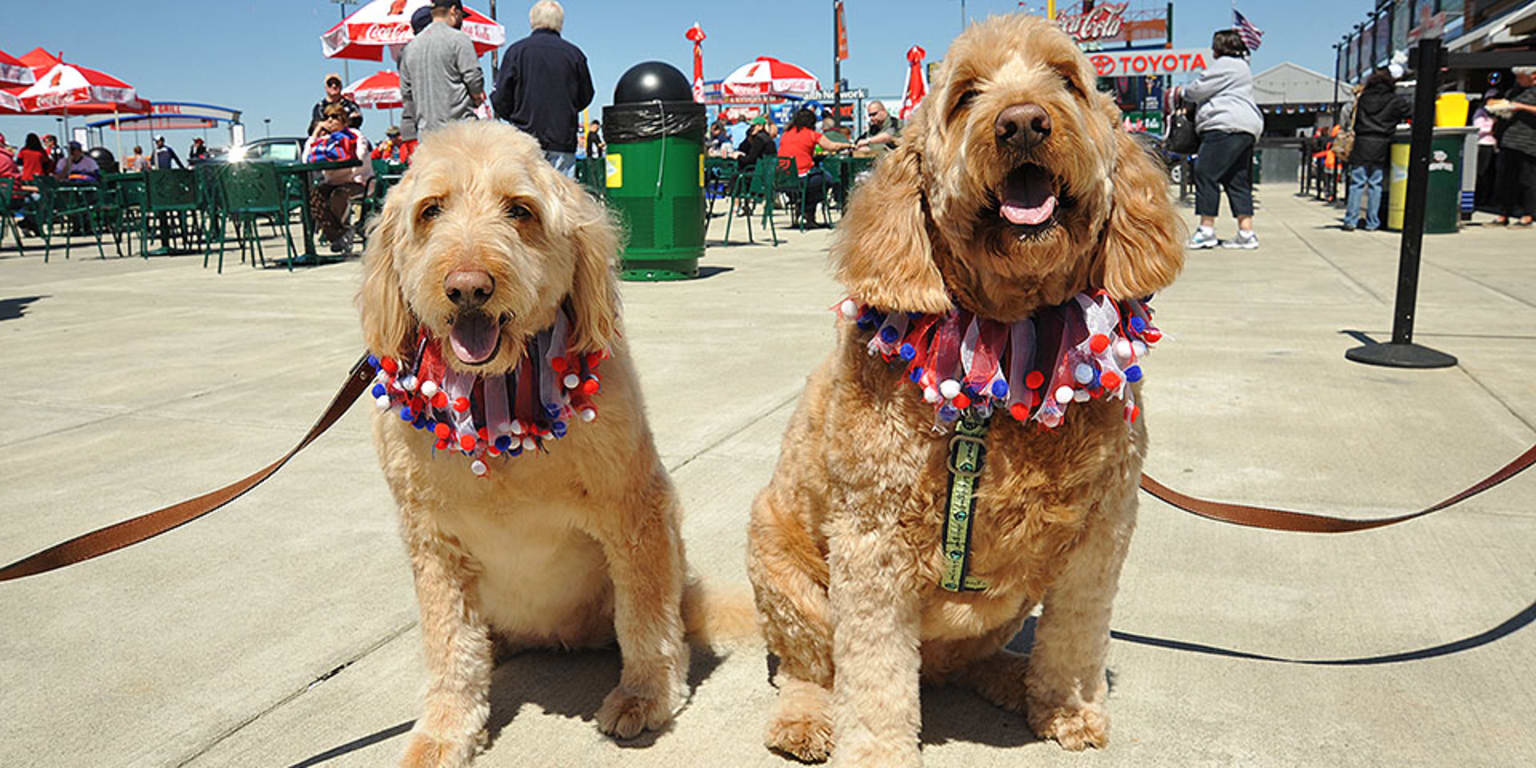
{"x": 1442, "y": 205}
{"x": 655, "y": 172}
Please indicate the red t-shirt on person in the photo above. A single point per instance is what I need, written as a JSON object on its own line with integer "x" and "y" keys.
{"x": 797, "y": 143}
{"x": 32, "y": 163}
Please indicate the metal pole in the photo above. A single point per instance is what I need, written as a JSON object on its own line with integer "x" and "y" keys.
{"x": 1428, "y": 57}
{"x": 837, "y": 69}
{"x": 493, "y": 65}
{"x": 346, "y": 69}
{"x": 1338, "y": 63}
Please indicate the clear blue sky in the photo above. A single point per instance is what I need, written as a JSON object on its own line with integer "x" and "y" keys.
{"x": 263, "y": 56}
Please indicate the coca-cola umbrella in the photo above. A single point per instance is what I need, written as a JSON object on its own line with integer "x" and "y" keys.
{"x": 768, "y": 75}
{"x": 69, "y": 89}
{"x": 14, "y": 71}
{"x": 387, "y": 24}
{"x": 380, "y": 90}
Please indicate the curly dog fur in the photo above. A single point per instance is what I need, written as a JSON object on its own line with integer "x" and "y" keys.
{"x": 845, "y": 542}
{"x": 576, "y": 547}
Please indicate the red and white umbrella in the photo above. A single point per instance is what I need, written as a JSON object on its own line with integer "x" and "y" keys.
{"x": 387, "y": 23}
{"x": 917, "y": 83}
{"x": 69, "y": 89}
{"x": 769, "y": 75}
{"x": 14, "y": 71}
{"x": 380, "y": 90}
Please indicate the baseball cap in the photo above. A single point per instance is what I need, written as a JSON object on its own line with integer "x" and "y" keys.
{"x": 160, "y": 137}
{"x": 759, "y": 120}
{"x": 75, "y": 145}
{"x": 420, "y": 19}
{"x": 393, "y": 130}
{"x": 332, "y": 76}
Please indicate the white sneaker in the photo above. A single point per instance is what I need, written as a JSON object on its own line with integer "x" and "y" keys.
{"x": 1245, "y": 240}
{"x": 1203, "y": 239}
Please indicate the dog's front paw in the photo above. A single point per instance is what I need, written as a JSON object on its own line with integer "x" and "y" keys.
{"x": 805, "y": 735}
{"x": 1073, "y": 729}
{"x": 427, "y": 751}
{"x": 629, "y": 710}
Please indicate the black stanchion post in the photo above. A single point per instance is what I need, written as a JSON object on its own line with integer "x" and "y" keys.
{"x": 1401, "y": 352}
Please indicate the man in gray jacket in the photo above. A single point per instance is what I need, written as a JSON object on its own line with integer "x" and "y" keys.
{"x": 440, "y": 77}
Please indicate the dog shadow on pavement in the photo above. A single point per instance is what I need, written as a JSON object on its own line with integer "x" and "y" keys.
{"x": 572, "y": 684}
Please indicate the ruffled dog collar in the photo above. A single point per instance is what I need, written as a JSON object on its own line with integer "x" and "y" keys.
{"x": 491, "y": 417}
{"x": 1087, "y": 348}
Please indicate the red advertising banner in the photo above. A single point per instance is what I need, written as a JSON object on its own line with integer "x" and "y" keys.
{"x": 842, "y": 35}
{"x": 1116, "y": 23}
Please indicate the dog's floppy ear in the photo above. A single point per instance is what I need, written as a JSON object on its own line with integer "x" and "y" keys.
{"x": 594, "y": 288}
{"x": 386, "y": 319}
{"x": 882, "y": 253}
{"x": 1142, "y": 248}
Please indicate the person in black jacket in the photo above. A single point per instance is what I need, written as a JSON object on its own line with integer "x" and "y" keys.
{"x": 333, "y": 96}
{"x": 1377, "y": 112}
{"x": 544, "y": 84}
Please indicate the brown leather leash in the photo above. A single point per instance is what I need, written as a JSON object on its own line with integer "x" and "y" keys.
{"x": 1298, "y": 522}
{"x": 128, "y": 532}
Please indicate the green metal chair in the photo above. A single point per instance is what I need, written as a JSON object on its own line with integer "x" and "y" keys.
{"x": 251, "y": 190}
{"x": 122, "y": 204}
{"x": 76, "y": 206}
{"x": 210, "y": 203}
{"x": 719, "y": 181}
{"x": 755, "y": 188}
{"x": 9, "y": 208}
{"x": 170, "y": 196}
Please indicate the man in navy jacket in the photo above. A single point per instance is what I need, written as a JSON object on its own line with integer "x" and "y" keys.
{"x": 544, "y": 84}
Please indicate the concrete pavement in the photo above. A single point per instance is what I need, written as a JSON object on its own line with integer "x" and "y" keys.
{"x": 281, "y": 630}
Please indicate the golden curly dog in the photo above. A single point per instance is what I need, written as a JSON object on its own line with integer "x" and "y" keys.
{"x": 845, "y": 542}
{"x": 481, "y": 244}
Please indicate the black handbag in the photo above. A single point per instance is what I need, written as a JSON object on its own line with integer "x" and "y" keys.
{"x": 1182, "y": 139}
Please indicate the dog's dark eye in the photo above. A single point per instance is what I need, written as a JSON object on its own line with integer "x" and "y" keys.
{"x": 1070, "y": 84}
{"x": 518, "y": 211}
{"x": 965, "y": 99}
{"x": 431, "y": 211}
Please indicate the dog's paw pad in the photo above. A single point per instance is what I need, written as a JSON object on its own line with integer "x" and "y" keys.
{"x": 808, "y": 737}
{"x": 625, "y": 713}
{"x": 426, "y": 751}
{"x": 1075, "y": 729}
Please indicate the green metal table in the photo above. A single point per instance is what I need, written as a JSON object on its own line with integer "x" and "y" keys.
{"x": 305, "y": 172}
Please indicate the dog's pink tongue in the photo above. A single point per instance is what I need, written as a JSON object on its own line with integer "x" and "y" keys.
{"x": 1027, "y": 197}
{"x": 474, "y": 337}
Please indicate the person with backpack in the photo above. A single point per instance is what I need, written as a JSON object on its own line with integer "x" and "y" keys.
{"x": 1373, "y": 119}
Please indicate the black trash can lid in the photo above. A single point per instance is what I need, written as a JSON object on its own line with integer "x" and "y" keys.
{"x": 652, "y": 81}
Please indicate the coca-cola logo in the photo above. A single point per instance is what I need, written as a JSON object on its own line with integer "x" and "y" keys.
{"x": 1100, "y": 23}
{"x": 386, "y": 34}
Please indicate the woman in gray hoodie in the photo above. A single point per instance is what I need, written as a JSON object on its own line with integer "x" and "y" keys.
{"x": 1229, "y": 122}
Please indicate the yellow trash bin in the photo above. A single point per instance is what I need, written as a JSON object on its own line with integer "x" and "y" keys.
{"x": 1451, "y": 110}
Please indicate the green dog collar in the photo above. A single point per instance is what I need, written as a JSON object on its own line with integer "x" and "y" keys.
{"x": 967, "y": 450}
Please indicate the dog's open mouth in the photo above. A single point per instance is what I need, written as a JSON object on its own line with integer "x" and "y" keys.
{"x": 1028, "y": 199}
{"x": 475, "y": 337}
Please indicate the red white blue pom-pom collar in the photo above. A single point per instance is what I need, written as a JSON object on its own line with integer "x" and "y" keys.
{"x": 1088, "y": 348}
{"x": 494, "y": 417}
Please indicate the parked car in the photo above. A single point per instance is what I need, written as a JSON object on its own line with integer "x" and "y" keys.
{"x": 276, "y": 149}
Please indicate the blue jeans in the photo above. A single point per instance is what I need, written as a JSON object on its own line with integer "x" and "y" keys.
{"x": 564, "y": 162}
{"x": 1364, "y": 178}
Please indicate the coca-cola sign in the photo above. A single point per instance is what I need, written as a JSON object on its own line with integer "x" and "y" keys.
{"x": 1101, "y": 23}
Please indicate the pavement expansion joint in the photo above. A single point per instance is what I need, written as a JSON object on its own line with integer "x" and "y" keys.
{"x": 388, "y": 638}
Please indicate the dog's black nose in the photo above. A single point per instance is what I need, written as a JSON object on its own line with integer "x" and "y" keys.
{"x": 1023, "y": 126}
{"x": 468, "y": 289}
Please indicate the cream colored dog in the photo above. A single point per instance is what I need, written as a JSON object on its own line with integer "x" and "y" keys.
{"x": 1013, "y": 189}
{"x": 481, "y": 245}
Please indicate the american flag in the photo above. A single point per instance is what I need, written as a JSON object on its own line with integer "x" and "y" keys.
{"x": 1251, "y": 35}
